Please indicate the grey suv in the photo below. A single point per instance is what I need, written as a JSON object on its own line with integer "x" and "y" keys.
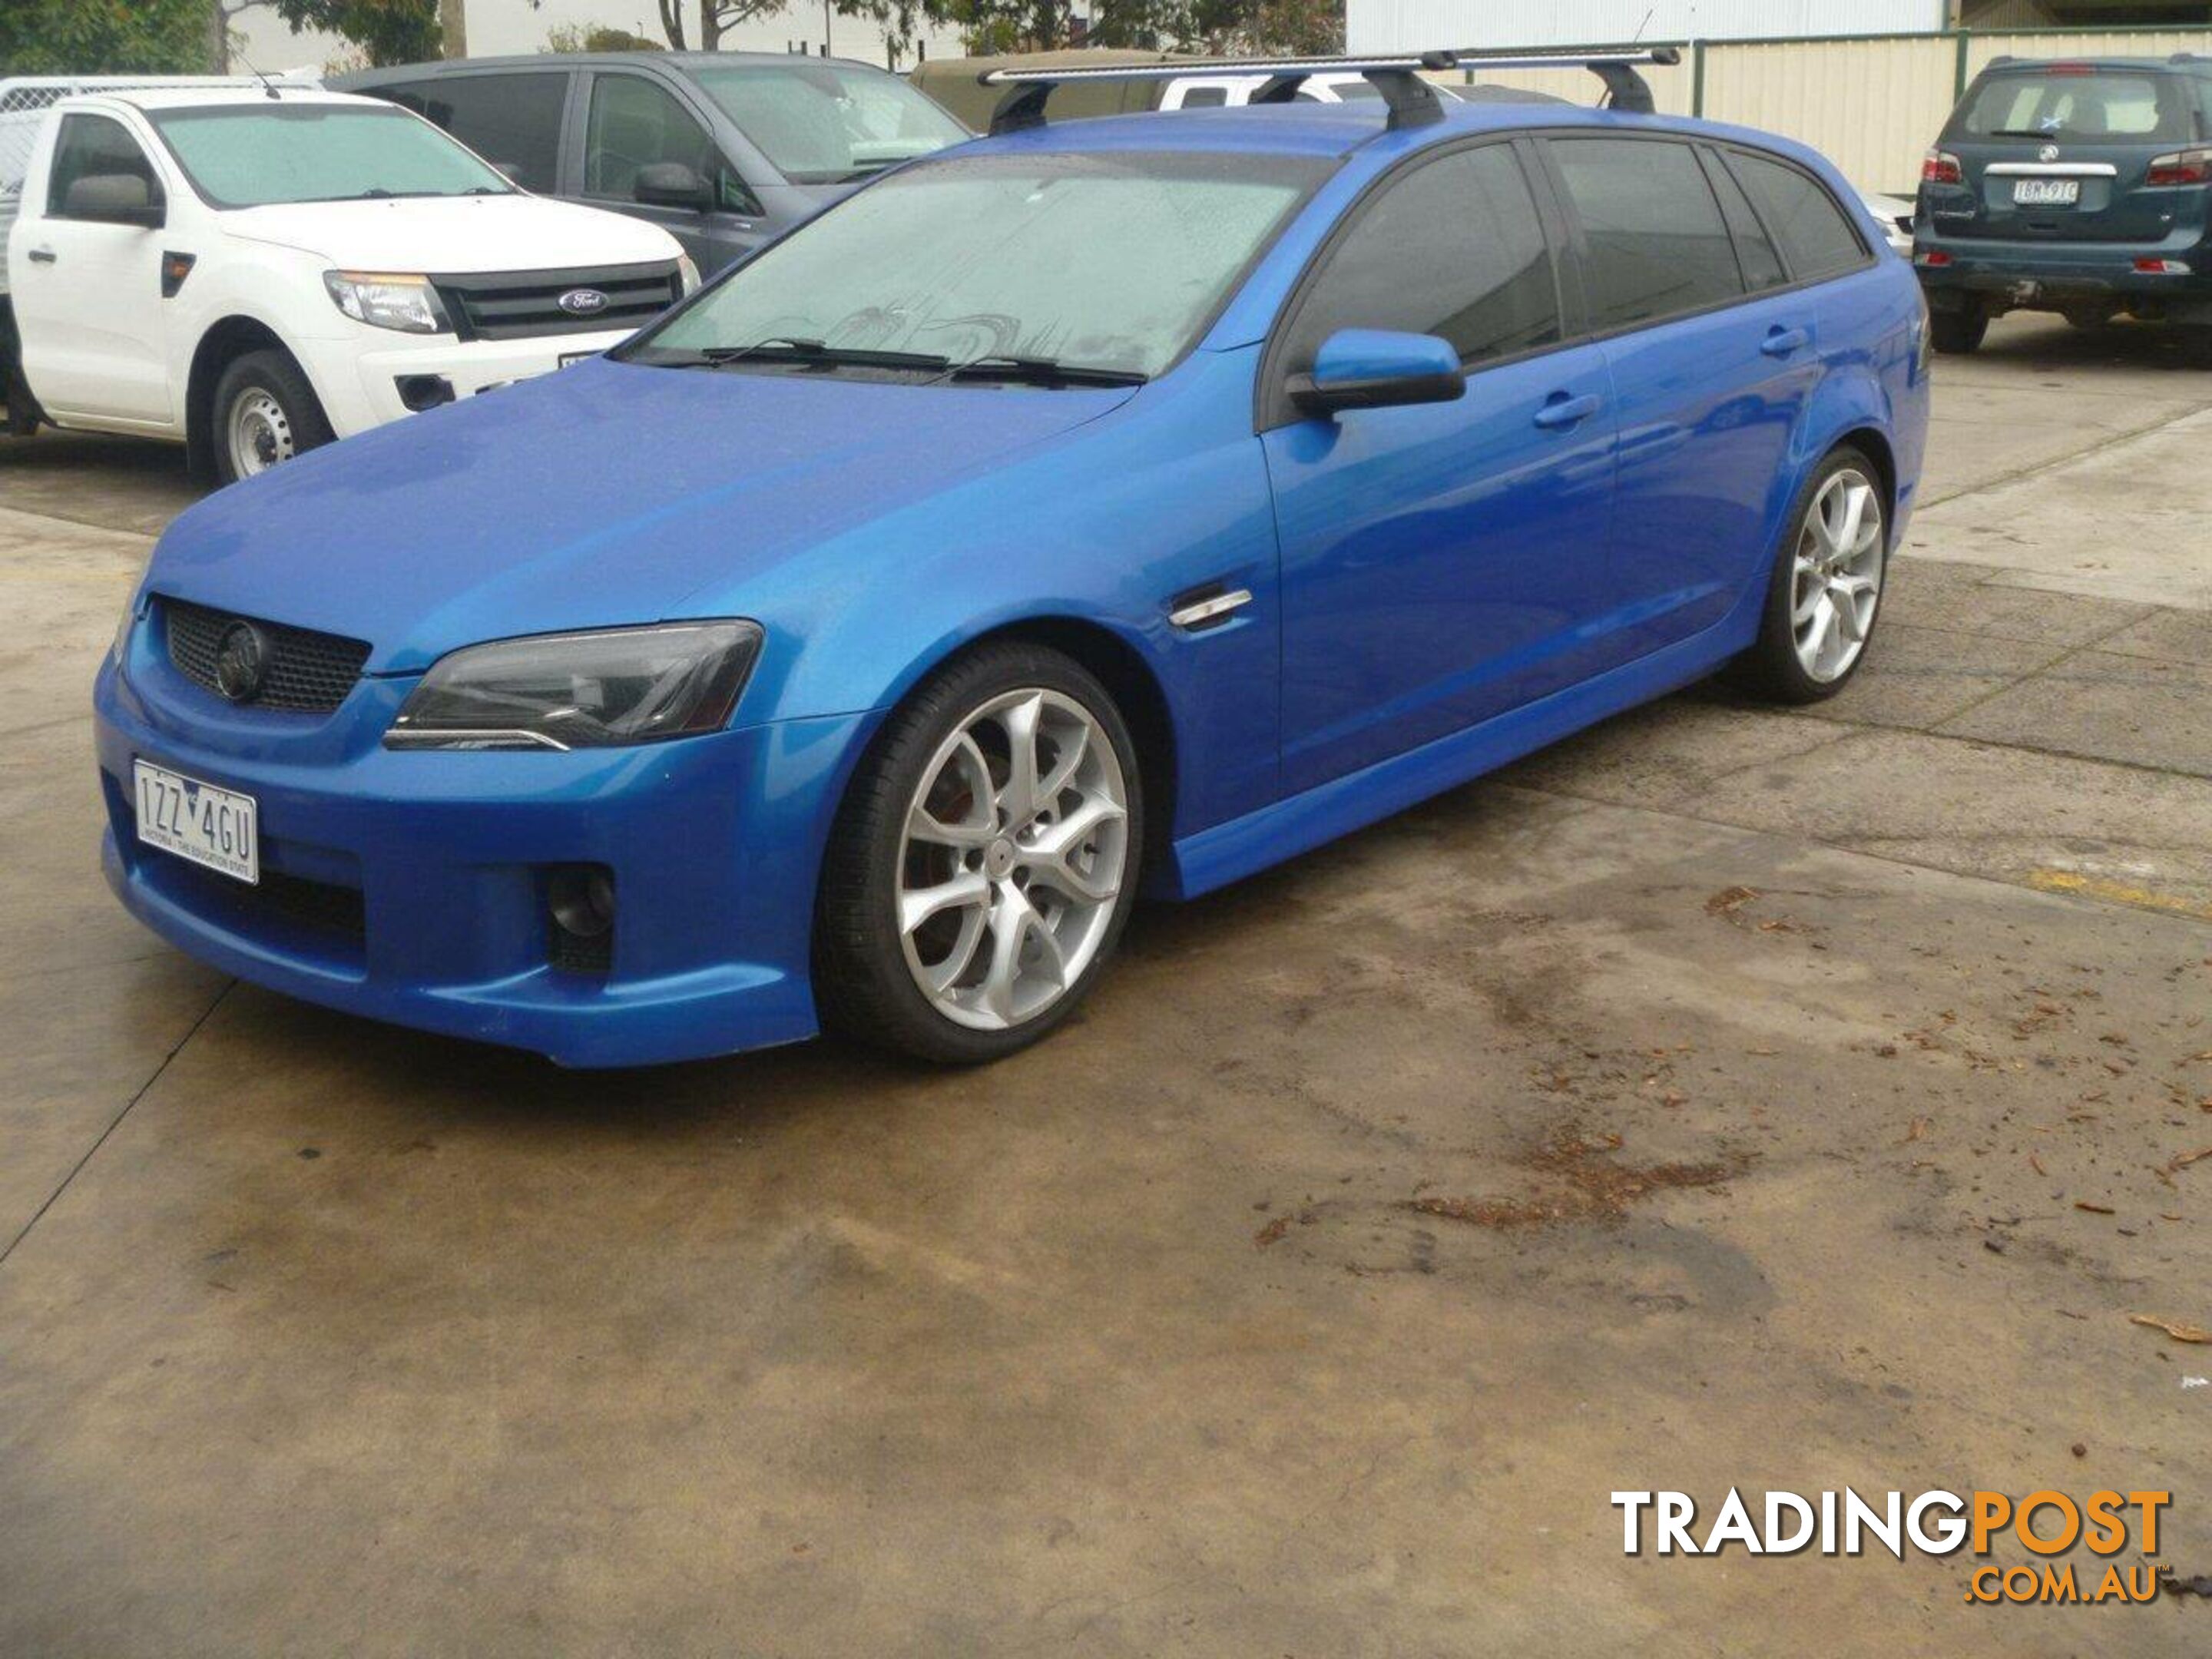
{"x": 725, "y": 151}
{"x": 2082, "y": 187}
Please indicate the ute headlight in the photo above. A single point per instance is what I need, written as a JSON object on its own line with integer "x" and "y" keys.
{"x": 620, "y": 685}
{"x": 687, "y": 275}
{"x": 382, "y": 301}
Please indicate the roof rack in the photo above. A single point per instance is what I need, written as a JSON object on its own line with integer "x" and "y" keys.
{"x": 1411, "y": 101}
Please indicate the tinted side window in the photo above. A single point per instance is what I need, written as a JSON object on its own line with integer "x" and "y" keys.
{"x": 1762, "y": 265}
{"x": 88, "y": 147}
{"x": 513, "y": 121}
{"x": 635, "y": 122}
{"x": 1453, "y": 248}
{"x": 1816, "y": 237}
{"x": 1656, "y": 244}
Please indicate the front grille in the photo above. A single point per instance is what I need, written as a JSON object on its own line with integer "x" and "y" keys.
{"x": 333, "y": 919}
{"x": 307, "y": 671}
{"x": 524, "y": 304}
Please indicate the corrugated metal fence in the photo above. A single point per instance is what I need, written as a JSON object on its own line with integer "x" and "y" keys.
{"x": 1872, "y": 103}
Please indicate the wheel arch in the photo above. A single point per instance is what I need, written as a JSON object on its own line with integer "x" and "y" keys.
{"x": 224, "y": 340}
{"x": 1120, "y": 664}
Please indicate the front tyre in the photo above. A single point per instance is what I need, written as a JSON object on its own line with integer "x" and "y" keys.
{"x": 264, "y": 412}
{"x": 984, "y": 862}
{"x": 1826, "y": 590}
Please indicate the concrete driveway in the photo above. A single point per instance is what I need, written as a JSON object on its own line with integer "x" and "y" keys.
{"x": 1729, "y": 1097}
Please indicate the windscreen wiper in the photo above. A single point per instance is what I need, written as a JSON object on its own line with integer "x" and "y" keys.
{"x": 793, "y": 349}
{"x": 1040, "y": 371}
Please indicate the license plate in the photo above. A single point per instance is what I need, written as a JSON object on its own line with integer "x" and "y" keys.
{"x": 213, "y": 827}
{"x": 568, "y": 357}
{"x": 2046, "y": 192}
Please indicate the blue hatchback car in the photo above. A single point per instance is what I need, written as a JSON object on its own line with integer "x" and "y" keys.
{"x": 1121, "y": 505}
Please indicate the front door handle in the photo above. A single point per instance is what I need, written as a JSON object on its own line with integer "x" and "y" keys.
{"x": 1560, "y": 409}
{"x": 43, "y": 256}
{"x": 1781, "y": 342}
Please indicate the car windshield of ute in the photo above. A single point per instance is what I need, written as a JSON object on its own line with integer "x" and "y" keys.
{"x": 824, "y": 124}
{"x": 1054, "y": 269}
{"x": 259, "y": 154}
{"x": 2085, "y": 105}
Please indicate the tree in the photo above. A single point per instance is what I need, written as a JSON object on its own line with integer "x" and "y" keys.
{"x": 386, "y": 31}
{"x": 104, "y": 37}
{"x": 716, "y": 18}
{"x": 596, "y": 37}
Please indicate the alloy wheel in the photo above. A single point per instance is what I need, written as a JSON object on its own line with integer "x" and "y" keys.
{"x": 260, "y": 433}
{"x": 1836, "y": 575}
{"x": 1015, "y": 845}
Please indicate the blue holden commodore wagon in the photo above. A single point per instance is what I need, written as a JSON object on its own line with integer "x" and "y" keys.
{"x": 1116, "y": 506}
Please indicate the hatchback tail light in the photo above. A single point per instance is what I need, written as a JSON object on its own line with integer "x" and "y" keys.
{"x": 2184, "y": 167}
{"x": 1941, "y": 169}
{"x": 2162, "y": 267}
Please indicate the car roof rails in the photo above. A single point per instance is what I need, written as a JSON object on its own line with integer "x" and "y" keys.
{"x": 1411, "y": 101}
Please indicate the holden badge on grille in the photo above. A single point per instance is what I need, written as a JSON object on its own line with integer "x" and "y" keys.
{"x": 242, "y": 662}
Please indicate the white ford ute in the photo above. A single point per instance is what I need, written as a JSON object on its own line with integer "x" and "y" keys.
{"x": 255, "y": 270}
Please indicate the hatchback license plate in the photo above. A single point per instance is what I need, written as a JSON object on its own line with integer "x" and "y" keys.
{"x": 2046, "y": 192}
{"x": 214, "y": 828}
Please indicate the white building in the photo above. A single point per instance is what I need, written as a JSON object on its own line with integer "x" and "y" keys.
{"x": 1419, "y": 25}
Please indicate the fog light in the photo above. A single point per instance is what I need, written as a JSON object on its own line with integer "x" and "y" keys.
{"x": 581, "y": 898}
{"x": 422, "y": 392}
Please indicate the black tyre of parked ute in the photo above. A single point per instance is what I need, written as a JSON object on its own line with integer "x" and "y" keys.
{"x": 1958, "y": 332}
{"x": 1825, "y": 593}
{"x": 263, "y": 413}
{"x": 984, "y": 861}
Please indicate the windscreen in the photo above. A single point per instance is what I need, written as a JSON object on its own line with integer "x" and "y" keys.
{"x": 1097, "y": 261}
{"x": 2062, "y": 104}
{"x": 252, "y": 156}
{"x": 828, "y": 123}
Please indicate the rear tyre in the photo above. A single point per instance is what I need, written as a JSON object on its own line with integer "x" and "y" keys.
{"x": 1825, "y": 590}
{"x": 984, "y": 862}
{"x": 1957, "y": 333}
{"x": 263, "y": 413}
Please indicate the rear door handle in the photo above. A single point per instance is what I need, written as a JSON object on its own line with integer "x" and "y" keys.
{"x": 1562, "y": 410}
{"x": 1781, "y": 342}
{"x": 42, "y": 256}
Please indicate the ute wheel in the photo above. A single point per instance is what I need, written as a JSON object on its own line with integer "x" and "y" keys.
{"x": 984, "y": 862}
{"x": 1957, "y": 333}
{"x": 1826, "y": 590}
{"x": 263, "y": 412}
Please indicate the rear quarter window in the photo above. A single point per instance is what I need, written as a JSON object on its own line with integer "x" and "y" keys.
{"x": 513, "y": 121}
{"x": 1817, "y": 239}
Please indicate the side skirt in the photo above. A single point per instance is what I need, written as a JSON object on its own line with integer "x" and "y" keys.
{"x": 1229, "y": 852}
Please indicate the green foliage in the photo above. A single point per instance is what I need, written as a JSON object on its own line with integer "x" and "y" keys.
{"x": 386, "y": 31}
{"x": 105, "y": 37}
{"x": 1251, "y": 28}
{"x": 596, "y": 37}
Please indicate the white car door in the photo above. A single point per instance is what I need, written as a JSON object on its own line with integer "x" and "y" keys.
{"x": 85, "y": 267}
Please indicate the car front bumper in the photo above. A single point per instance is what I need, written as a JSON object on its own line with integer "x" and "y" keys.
{"x": 411, "y": 886}
{"x": 360, "y": 381}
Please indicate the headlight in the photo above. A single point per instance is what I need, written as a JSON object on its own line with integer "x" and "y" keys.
{"x": 121, "y": 645}
{"x": 621, "y": 686}
{"x": 408, "y": 303}
{"x": 687, "y": 274}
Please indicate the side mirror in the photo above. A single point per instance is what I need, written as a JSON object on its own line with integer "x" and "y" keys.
{"x": 1378, "y": 369}
{"x": 114, "y": 199}
{"x": 672, "y": 184}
